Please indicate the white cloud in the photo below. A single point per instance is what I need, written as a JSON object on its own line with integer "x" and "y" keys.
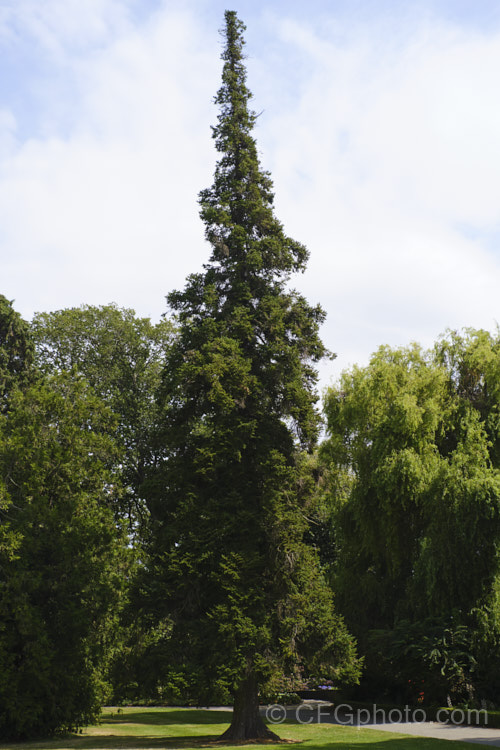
{"x": 8, "y": 127}
{"x": 381, "y": 162}
{"x": 63, "y": 29}
{"x": 110, "y": 212}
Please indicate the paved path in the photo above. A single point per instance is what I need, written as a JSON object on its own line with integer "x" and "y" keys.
{"x": 482, "y": 735}
{"x": 313, "y": 712}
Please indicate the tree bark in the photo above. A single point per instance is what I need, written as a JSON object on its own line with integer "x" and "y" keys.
{"x": 247, "y": 723}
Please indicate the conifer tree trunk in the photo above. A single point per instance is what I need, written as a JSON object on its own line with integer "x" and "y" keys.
{"x": 247, "y": 723}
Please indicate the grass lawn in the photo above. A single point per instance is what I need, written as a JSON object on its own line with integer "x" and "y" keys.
{"x": 184, "y": 728}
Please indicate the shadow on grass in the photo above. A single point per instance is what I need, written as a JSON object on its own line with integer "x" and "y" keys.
{"x": 119, "y": 742}
{"x": 191, "y": 728}
{"x": 114, "y": 742}
{"x": 174, "y": 716}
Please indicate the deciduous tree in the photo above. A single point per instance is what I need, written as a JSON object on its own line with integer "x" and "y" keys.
{"x": 412, "y": 456}
{"x": 121, "y": 356}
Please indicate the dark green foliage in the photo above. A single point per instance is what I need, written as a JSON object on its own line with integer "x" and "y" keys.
{"x": 422, "y": 661}
{"x": 16, "y": 358}
{"x": 413, "y": 460}
{"x": 228, "y": 562}
{"x": 62, "y": 579}
{"x": 16, "y": 350}
{"x": 121, "y": 357}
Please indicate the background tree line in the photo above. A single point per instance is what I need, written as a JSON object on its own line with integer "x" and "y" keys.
{"x": 76, "y": 394}
{"x": 403, "y": 514}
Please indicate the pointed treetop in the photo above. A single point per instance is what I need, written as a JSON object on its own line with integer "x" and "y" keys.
{"x": 233, "y": 96}
{"x": 237, "y": 210}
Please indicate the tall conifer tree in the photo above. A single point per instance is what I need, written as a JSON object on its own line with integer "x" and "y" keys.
{"x": 230, "y": 502}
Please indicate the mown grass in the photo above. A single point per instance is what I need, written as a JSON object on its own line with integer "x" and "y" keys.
{"x": 184, "y": 729}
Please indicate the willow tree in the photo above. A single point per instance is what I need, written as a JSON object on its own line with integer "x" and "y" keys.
{"x": 230, "y": 502}
{"x": 413, "y": 457}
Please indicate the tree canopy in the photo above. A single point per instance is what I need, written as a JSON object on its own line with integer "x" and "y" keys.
{"x": 121, "y": 357}
{"x": 413, "y": 460}
{"x": 16, "y": 350}
{"x": 63, "y": 573}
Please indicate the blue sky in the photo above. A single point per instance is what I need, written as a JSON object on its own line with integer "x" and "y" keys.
{"x": 380, "y": 125}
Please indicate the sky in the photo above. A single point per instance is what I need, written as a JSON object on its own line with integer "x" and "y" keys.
{"x": 378, "y": 120}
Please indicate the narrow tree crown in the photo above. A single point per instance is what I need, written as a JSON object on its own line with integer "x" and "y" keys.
{"x": 239, "y": 311}
{"x": 237, "y": 209}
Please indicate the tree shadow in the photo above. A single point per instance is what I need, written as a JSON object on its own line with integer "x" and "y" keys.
{"x": 128, "y": 742}
{"x": 332, "y": 736}
{"x": 176, "y": 716}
